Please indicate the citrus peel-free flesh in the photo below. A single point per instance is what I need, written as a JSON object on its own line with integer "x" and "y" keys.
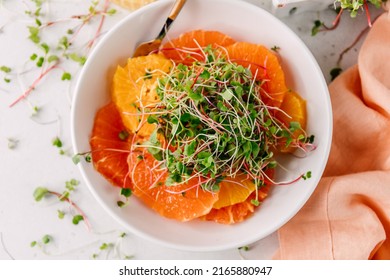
{"x": 187, "y": 48}
{"x": 109, "y": 152}
{"x": 182, "y": 202}
{"x": 264, "y": 65}
{"x": 134, "y": 90}
{"x": 293, "y": 109}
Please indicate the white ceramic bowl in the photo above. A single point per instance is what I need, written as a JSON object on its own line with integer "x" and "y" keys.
{"x": 243, "y": 22}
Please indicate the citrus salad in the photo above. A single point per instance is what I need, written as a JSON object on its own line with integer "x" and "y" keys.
{"x": 193, "y": 129}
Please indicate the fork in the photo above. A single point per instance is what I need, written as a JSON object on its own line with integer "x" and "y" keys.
{"x": 146, "y": 48}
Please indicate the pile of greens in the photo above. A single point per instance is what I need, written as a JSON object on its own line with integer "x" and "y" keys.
{"x": 353, "y": 6}
{"x": 215, "y": 124}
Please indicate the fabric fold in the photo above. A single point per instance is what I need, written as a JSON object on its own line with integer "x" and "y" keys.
{"x": 348, "y": 215}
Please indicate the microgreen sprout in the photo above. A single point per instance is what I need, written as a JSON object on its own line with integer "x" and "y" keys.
{"x": 307, "y": 175}
{"x": 66, "y": 76}
{"x": 316, "y": 27}
{"x": 46, "y": 239}
{"x": 354, "y": 6}
{"x": 244, "y": 248}
{"x": 77, "y": 157}
{"x": 12, "y": 143}
{"x": 76, "y": 219}
{"x": 60, "y": 214}
{"x": 53, "y": 58}
{"x": 41, "y": 192}
{"x": 255, "y": 202}
{"x": 78, "y": 58}
{"x": 351, "y": 6}
{"x": 6, "y": 70}
{"x": 104, "y": 247}
{"x": 125, "y": 193}
{"x": 216, "y": 124}
{"x": 56, "y": 142}
{"x": 107, "y": 248}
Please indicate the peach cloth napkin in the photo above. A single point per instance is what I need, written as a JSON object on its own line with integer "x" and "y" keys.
{"x": 348, "y": 215}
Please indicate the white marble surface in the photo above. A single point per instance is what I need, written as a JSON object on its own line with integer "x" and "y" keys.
{"x": 34, "y": 161}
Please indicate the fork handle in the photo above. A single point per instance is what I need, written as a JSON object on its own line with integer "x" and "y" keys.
{"x": 172, "y": 16}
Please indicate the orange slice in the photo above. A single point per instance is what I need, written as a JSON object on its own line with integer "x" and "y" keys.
{"x": 134, "y": 90}
{"x": 238, "y": 212}
{"x": 264, "y": 64}
{"x": 234, "y": 190}
{"x": 294, "y": 110}
{"x": 182, "y": 202}
{"x": 187, "y": 47}
{"x": 109, "y": 151}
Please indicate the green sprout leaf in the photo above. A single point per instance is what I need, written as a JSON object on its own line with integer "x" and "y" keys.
{"x": 57, "y": 142}
{"x": 316, "y": 27}
{"x": 12, "y": 143}
{"x": 76, "y": 219}
{"x": 5, "y": 69}
{"x": 60, "y": 214}
{"x": 106, "y": 246}
{"x": 121, "y": 204}
{"x": 66, "y": 76}
{"x": 46, "y": 239}
{"x": 33, "y": 56}
{"x": 76, "y": 158}
{"x": 255, "y": 202}
{"x": 34, "y": 34}
{"x": 45, "y": 47}
{"x": 244, "y": 248}
{"x": 307, "y": 175}
{"x": 126, "y": 192}
{"x": 53, "y": 58}
{"x": 40, "y": 193}
{"x": 77, "y": 58}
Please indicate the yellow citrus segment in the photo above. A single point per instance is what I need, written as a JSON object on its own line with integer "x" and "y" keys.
{"x": 134, "y": 90}
{"x": 293, "y": 110}
{"x": 238, "y": 212}
{"x": 234, "y": 190}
